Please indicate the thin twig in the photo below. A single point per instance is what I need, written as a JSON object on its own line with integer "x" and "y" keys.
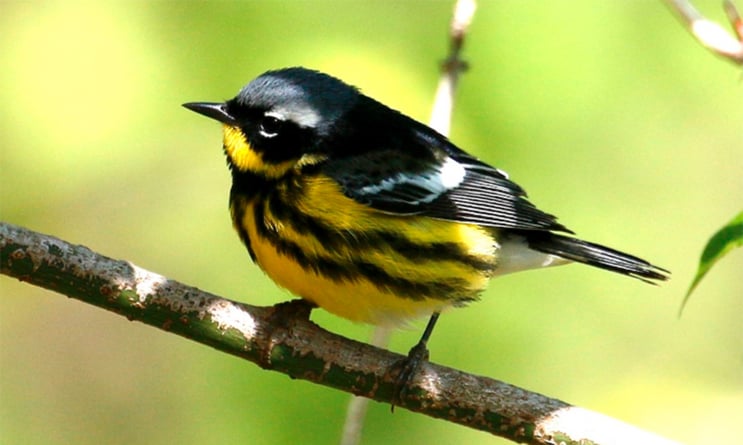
{"x": 452, "y": 67}
{"x": 709, "y": 33}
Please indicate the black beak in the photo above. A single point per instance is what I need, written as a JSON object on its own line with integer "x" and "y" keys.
{"x": 216, "y": 111}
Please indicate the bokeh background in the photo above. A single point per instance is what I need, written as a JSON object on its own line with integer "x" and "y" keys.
{"x": 607, "y": 112}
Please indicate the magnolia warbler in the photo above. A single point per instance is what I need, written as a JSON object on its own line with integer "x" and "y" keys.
{"x": 373, "y": 215}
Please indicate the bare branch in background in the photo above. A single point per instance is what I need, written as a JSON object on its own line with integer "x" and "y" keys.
{"x": 709, "y": 33}
{"x": 452, "y": 67}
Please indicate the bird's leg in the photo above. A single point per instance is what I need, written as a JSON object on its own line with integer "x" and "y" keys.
{"x": 410, "y": 365}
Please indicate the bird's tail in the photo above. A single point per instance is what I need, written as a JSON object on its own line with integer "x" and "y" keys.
{"x": 596, "y": 255}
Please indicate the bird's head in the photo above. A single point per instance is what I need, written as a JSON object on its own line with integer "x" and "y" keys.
{"x": 280, "y": 119}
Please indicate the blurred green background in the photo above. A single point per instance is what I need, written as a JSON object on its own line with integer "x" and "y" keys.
{"x": 607, "y": 112}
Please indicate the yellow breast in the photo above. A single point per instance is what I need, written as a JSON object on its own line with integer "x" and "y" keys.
{"x": 359, "y": 263}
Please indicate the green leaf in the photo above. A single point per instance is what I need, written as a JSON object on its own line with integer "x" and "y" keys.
{"x": 728, "y": 237}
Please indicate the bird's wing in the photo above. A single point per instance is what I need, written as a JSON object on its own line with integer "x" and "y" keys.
{"x": 434, "y": 178}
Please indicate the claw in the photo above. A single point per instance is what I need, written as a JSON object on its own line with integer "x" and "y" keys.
{"x": 406, "y": 369}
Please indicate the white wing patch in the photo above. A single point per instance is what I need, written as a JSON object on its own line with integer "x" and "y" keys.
{"x": 451, "y": 174}
{"x": 426, "y": 186}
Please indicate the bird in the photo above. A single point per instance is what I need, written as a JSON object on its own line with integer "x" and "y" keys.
{"x": 373, "y": 216}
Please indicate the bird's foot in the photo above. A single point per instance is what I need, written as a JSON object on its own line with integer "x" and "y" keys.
{"x": 291, "y": 310}
{"x": 404, "y": 372}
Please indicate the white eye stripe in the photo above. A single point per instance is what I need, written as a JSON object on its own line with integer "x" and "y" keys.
{"x": 304, "y": 116}
{"x": 275, "y": 115}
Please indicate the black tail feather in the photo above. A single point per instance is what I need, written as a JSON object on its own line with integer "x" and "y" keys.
{"x": 596, "y": 255}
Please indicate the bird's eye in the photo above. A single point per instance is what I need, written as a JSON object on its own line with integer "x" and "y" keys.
{"x": 270, "y": 126}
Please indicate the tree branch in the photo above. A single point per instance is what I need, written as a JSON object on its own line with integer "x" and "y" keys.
{"x": 709, "y": 33}
{"x": 282, "y": 338}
